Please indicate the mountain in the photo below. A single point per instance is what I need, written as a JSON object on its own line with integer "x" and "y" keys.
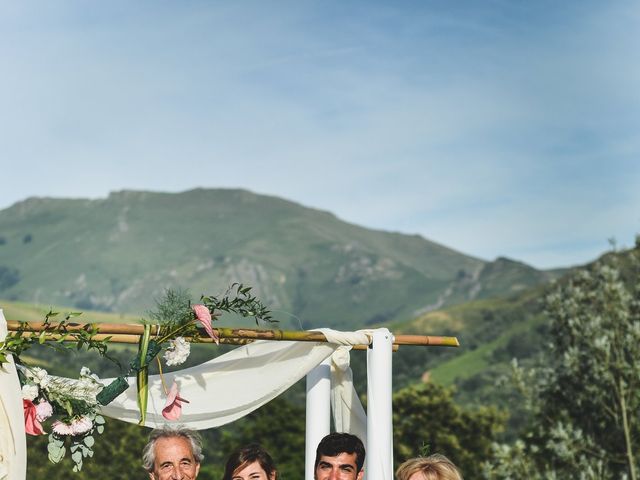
{"x": 119, "y": 253}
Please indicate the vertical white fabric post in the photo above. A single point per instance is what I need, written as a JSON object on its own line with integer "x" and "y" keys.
{"x": 318, "y": 416}
{"x": 13, "y": 442}
{"x": 379, "y": 459}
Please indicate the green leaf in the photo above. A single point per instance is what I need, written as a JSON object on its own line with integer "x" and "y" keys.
{"x": 56, "y": 453}
{"x": 89, "y": 441}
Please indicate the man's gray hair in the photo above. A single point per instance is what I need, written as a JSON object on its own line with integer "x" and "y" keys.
{"x": 171, "y": 431}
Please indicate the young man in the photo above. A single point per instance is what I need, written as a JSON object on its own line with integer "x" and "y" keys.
{"x": 339, "y": 456}
{"x": 173, "y": 453}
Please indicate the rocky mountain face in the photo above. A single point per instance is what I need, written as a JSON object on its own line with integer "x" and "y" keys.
{"x": 118, "y": 254}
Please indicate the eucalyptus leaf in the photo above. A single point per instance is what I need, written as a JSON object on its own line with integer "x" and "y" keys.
{"x": 57, "y": 454}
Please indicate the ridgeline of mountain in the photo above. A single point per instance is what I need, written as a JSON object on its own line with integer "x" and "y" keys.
{"x": 119, "y": 254}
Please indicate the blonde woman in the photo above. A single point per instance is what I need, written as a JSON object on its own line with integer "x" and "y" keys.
{"x": 433, "y": 467}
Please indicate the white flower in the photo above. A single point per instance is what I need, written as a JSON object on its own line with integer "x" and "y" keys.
{"x": 39, "y": 376}
{"x": 177, "y": 352}
{"x": 81, "y": 425}
{"x": 85, "y": 372}
{"x": 43, "y": 410}
{"x": 30, "y": 392}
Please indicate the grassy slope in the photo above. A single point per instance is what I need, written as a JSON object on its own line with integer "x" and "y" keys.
{"x": 119, "y": 253}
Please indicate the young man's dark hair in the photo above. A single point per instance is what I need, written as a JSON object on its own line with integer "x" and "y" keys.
{"x": 336, "y": 443}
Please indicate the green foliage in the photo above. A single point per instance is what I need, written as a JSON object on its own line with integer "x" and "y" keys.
{"x": 585, "y": 396}
{"x": 173, "y": 309}
{"x": 239, "y": 299}
{"x": 22, "y": 339}
{"x": 426, "y": 420}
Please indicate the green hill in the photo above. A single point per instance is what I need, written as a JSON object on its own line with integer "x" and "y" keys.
{"x": 492, "y": 332}
{"x": 119, "y": 253}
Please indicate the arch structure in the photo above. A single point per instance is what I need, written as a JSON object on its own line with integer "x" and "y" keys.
{"x": 233, "y": 385}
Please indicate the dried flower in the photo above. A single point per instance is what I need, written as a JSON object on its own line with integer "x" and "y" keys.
{"x": 61, "y": 428}
{"x": 173, "y": 407}
{"x": 177, "y": 352}
{"x": 43, "y": 410}
{"x": 204, "y": 317}
{"x": 81, "y": 425}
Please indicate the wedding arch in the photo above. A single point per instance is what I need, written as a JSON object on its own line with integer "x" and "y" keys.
{"x": 215, "y": 388}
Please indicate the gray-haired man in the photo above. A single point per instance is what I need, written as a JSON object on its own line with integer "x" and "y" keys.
{"x": 173, "y": 453}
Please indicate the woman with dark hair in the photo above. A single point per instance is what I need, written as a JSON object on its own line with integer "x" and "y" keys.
{"x": 250, "y": 463}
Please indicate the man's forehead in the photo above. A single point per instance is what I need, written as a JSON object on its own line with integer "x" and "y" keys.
{"x": 341, "y": 458}
{"x": 173, "y": 446}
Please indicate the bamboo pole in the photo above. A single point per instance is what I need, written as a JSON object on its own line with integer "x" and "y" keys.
{"x": 228, "y": 333}
{"x": 134, "y": 339}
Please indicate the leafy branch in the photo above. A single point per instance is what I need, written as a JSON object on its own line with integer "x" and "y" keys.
{"x": 23, "y": 338}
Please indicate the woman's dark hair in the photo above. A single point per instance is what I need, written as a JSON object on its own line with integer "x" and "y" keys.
{"x": 247, "y": 455}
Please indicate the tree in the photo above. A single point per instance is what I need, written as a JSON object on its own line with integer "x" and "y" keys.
{"x": 427, "y": 420}
{"x": 586, "y": 395}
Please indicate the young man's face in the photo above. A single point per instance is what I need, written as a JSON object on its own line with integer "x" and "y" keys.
{"x": 174, "y": 460}
{"x": 340, "y": 467}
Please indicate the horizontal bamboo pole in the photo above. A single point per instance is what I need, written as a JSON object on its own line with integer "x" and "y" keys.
{"x": 134, "y": 339}
{"x": 241, "y": 333}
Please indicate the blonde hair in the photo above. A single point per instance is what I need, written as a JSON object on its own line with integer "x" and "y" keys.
{"x": 433, "y": 467}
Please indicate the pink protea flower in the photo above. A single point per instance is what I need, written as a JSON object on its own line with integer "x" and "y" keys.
{"x": 43, "y": 411}
{"x": 173, "y": 408}
{"x": 61, "y": 428}
{"x": 31, "y": 424}
{"x": 204, "y": 317}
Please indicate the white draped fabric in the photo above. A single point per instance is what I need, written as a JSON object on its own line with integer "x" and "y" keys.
{"x": 235, "y": 384}
{"x": 13, "y": 443}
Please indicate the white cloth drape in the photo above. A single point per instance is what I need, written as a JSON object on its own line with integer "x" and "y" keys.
{"x": 13, "y": 442}
{"x": 348, "y": 413}
{"x": 235, "y": 384}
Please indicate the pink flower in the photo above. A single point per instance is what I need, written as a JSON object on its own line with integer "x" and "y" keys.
{"x": 31, "y": 424}
{"x": 173, "y": 408}
{"x": 81, "y": 425}
{"x": 43, "y": 411}
{"x": 204, "y": 317}
{"x": 61, "y": 428}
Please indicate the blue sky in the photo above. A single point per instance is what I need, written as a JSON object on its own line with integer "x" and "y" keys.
{"x": 497, "y": 127}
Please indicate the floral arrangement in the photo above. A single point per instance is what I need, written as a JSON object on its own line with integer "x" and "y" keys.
{"x": 71, "y": 407}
